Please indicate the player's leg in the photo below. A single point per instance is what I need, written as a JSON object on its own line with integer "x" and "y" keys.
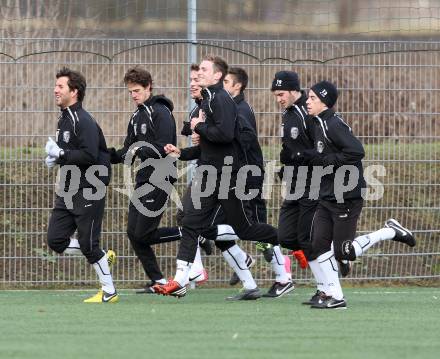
{"x": 259, "y": 215}
{"x": 61, "y": 229}
{"x": 139, "y": 227}
{"x": 239, "y": 218}
{"x": 393, "y": 230}
{"x": 196, "y": 217}
{"x": 322, "y": 231}
{"x": 88, "y": 219}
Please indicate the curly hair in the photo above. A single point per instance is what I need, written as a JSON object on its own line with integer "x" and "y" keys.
{"x": 137, "y": 75}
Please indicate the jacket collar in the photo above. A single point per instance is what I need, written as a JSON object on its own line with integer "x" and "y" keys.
{"x": 326, "y": 114}
{"x": 239, "y": 98}
{"x": 76, "y": 106}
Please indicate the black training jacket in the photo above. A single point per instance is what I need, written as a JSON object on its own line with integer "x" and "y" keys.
{"x": 335, "y": 144}
{"x": 83, "y": 142}
{"x": 297, "y": 136}
{"x": 248, "y": 138}
{"x": 218, "y": 132}
{"x": 152, "y": 122}
{"x": 186, "y": 129}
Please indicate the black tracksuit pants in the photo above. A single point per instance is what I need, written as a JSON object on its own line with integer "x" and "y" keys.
{"x": 143, "y": 232}
{"x": 295, "y": 225}
{"x": 236, "y": 213}
{"x": 86, "y": 217}
{"x": 337, "y": 223}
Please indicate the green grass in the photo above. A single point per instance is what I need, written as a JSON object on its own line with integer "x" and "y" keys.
{"x": 379, "y": 323}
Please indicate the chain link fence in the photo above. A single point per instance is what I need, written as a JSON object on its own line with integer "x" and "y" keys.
{"x": 389, "y": 95}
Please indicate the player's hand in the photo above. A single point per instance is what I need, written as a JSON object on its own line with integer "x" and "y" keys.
{"x": 52, "y": 149}
{"x": 195, "y": 138}
{"x": 50, "y": 161}
{"x": 171, "y": 150}
{"x": 310, "y": 155}
{"x": 197, "y": 120}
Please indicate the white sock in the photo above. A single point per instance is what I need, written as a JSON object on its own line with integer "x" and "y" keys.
{"x": 104, "y": 275}
{"x": 321, "y": 283}
{"x": 329, "y": 268}
{"x": 161, "y": 281}
{"x": 226, "y": 233}
{"x": 362, "y": 243}
{"x": 277, "y": 263}
{"x": 73, "y": 247}
{"x": 236, "y": 258}
{"x": 197, "y": 266}
{"x": 182, "y": 272}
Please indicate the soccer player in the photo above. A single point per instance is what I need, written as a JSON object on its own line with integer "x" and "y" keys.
{"x": 296, "y": 213}
{"x": 81, "y": 151}
{"x": 235, "y": 82}
{"x": 340, "y": 200}
{"x": 150, "y": 128}
{"x": 233, "y": 254}
{"x": 219, "y": 149}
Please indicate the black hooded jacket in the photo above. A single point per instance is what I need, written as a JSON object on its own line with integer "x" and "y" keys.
{"x": 152, "y": 122}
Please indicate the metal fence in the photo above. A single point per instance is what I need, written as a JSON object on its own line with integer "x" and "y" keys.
{"x": 390, "y": 94}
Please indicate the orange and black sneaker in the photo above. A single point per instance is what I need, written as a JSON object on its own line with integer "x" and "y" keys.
{"x": 301, "y": 258}
{"x": 172, "y": 288}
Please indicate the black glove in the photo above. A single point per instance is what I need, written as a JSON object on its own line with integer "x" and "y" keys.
{"x": 114, "y": 158}
{"x": 311, "y": 156}
{"x": 186, "y": 129}
{"x": 285, "y": 156}
{"x": 291, "y": 159}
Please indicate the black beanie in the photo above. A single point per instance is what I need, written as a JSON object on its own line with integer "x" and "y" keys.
{"x": 286, "y": 80}
{"x": 327, "y": 92}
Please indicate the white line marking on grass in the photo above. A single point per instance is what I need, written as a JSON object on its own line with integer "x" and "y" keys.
{"x": 402, "y": 292}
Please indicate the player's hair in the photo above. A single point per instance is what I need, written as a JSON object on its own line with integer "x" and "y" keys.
{"x": 137, "y": 75}
{"x": 239, "y": 76}
{"x": 76, "y": 81}
{"x": 219, "y": 64}
{"x": 195, "y": 67}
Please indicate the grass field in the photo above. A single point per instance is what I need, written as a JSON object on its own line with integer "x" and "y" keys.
{"x": 379, "y": 323}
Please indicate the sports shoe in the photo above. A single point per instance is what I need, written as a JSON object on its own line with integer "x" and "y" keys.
{"x": 246, "y": 294}
{"x": 330, "y": 303}
{"x": 200, "y": 278}
{"x": 315, "y": 298}
{"x": 267, "y": 250}
{"x": 171, "y": 288}
{"x": 234, "y": 277}
{"x": 278, "y": 290}
{"x": 301, "y": 258}
{"x": 344, "y": 267}
{"x": 402, "y": 234}
{"x": 103, "y": 297}
{"x": 111, "y": 257}
{"x": 148, "y": 288}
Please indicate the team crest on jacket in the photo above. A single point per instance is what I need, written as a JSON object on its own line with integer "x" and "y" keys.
{"x": 294, "y": 132}
{"x": 320, "y": 146}
{"x": 66, "y": 136}
{"x": 144, "y": 128}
